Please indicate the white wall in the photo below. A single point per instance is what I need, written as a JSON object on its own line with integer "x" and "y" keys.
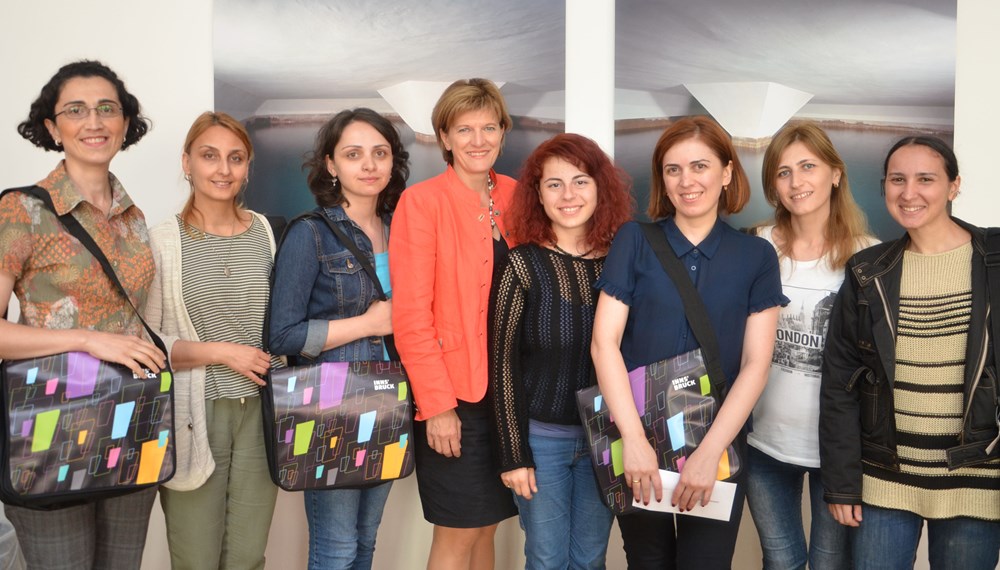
{"x": 977, "y": 111}
{"x": 166, "y": 60}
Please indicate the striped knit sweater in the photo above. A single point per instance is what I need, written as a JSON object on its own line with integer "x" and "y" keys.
{"x": 227, "y": 307}
{"x": 934, "y": 315}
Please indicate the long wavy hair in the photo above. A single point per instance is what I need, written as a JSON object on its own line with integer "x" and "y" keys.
{"x": 847, "y": 228}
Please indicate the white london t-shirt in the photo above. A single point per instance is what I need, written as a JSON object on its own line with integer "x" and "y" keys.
{"x": 786, "y": 418}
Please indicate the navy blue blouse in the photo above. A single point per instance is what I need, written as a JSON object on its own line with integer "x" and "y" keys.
{"x": 735, "y": 273}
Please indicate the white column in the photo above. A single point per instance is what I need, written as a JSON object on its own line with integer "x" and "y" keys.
{"x": 977, "y": 115}
{"x": 590, "y": 70}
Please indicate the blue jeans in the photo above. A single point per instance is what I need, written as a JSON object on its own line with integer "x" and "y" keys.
{"x": 887, "y": 540}
{"x": 342, "y": 526}
{"x": 565, "y": 524}
{"x": 774, "y": 492}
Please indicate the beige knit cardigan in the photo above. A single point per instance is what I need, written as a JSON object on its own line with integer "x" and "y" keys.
{"x": 167, "y": 315}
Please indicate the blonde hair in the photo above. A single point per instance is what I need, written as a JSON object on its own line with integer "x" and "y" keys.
{"x": 468, "y": 95}
{"x": 847, "y": 228}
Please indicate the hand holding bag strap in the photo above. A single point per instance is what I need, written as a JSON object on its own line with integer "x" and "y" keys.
{"x": 390, "y": 343}
{"x": 76, "y": 230}
{"x": 347, "y": 242}
{"x": 694, "y": 306}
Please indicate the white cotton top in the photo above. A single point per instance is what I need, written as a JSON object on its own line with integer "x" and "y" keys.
{"x": 786, "y": 418}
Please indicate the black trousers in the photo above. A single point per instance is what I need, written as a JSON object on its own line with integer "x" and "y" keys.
{"x": 662, "y": 541}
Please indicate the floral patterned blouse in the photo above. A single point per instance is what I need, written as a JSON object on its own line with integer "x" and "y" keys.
{"x": 58, "y": 282}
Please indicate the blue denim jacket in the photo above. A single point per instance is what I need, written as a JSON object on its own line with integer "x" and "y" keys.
{"x": 318, "y": 280}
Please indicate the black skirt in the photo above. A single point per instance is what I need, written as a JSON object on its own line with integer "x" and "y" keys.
{"x": 465, "y": 491}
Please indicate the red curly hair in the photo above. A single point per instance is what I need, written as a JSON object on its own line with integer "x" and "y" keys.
{"x": 614, "y": 199}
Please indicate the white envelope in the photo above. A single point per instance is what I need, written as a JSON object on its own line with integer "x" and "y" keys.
{"x": 719, "y": 507}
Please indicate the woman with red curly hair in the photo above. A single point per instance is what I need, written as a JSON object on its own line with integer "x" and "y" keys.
{"x": 568, "y": 204}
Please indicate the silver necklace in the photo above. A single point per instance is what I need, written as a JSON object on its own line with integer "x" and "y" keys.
{"x": 229, "y": 249}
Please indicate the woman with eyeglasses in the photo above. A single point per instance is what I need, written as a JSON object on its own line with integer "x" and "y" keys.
{"x": 67, "y": 301}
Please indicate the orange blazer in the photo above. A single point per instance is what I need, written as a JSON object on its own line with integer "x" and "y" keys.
{"x": 441, "y": 267}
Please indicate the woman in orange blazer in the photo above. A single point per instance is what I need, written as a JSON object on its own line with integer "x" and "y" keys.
{"x": 448, "y": 234}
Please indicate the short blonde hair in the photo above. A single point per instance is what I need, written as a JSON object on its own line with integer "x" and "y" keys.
{"x": 467, "y": 95}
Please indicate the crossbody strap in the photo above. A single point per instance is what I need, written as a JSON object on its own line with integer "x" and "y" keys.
{"x": 369, "y": 269}
{"x": 694, "y": 306}
{"x": 76, "y": 230}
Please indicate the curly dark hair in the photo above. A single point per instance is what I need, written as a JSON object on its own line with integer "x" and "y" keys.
{"x": 44, "y": 107}
{"x": 320, "y": 181}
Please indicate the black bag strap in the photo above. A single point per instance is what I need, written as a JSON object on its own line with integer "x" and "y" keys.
{"x": 278, "y": 225}
{"x": 694, "y": 306}
{"x": 76, "y": 230}
{"x": 347, "y": 242}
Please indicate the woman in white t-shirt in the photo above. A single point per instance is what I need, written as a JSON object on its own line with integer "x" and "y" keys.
{"x": 817, "y": 227}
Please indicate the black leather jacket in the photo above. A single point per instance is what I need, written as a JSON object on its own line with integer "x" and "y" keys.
{"x": 857, "y": 420}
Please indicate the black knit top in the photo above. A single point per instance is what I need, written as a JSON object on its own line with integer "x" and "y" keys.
{"x": 541, "y": 317}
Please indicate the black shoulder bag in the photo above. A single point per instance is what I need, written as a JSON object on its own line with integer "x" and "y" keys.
{"x": 335, "y": 425}
{"x": 77, "y": 429}
{"x": 677, "y": 398}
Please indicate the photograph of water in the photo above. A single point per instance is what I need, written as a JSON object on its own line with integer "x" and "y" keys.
{"x": 278, "y": 184}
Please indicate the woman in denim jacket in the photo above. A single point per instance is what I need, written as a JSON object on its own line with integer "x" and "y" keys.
{"x": 323, "y": 304}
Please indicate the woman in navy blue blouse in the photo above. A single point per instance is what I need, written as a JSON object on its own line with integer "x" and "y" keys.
{"x": 640, "y": 320}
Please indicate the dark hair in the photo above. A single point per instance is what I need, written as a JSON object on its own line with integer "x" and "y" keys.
{"x": 614, "y": 201}
{"x": 468, "y": 95}
{"x": 719, "y": 142}
{"x": 44, "y": 107}
{"x": 933, "y": 143}
{"x": 320, "y": 180}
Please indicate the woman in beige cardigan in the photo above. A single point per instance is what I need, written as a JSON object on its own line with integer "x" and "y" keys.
{"x": 208, "y": 300}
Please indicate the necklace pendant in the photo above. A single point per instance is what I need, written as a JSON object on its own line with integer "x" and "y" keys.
{"x": 225, "y": 271}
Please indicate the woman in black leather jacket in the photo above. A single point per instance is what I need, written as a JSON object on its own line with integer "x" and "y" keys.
{"x": 908, "y": 415}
